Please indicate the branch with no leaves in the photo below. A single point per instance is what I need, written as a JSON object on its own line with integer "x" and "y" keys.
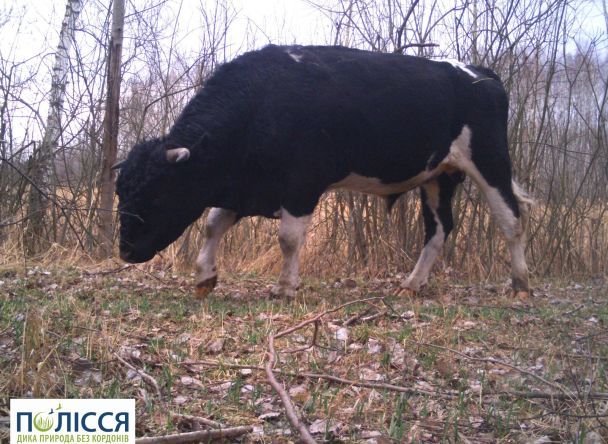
{"x": 198, "y": 420}
{"x": 402, "y": 48}
{"x": 285, "y": 399}
{"x": 330, "y": 378}
{"x": 290, "y": 410}
{"x": 396, "y": 388}
{"x": 496, "y": 362}
{"x": 146, "y": 377}
{"x": 198, "y": 436}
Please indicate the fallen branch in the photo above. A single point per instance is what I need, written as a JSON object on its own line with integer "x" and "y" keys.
{"x": 331, "y": 378}
{"x": 202, "y": 435}
{"x": 107, "y": 272}
{"x": 199, "y": 420}
{"x": 376, "y": 385}
{"x": 493, "y": 361}
{"x": 374, "y": 316}
{"x": 290, "y": 411}
{"x": 398, "y": 388}
{"x": 353, "y": 319}
{"x": 556, "y": 396}
{"x": 324, "y": 313}
{"x": 146, "y": 377}
{"x": 285, "y": 399}
{"x": 313, "y": 342}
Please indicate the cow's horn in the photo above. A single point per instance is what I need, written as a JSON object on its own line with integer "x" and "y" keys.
{"x": 117, "y": 165}
{"x": 177, "y": 155}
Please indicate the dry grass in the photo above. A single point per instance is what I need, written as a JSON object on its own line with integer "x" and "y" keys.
{"x": 471, "y": 360}
{"x": 563, "y": 241}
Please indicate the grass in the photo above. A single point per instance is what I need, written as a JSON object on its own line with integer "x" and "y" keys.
{"x": 60, "y": 331}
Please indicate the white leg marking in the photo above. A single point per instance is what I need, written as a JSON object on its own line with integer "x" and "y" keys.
{"x": 511, "y": 226}
{"x": 219, "y": 221}
{"x": 292, "y": 233}
{"x": 419, "y": 276}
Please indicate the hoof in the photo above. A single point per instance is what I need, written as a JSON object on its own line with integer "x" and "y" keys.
{"x": 278, "y": 291}
{"x": 521, "y": 294}
{"x": 206, "y": 287}
{"x": 407, "y": 292}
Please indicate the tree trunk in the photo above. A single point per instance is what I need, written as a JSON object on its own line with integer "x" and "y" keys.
{"x": 41, "y": 160}
{"x": 110, "y": 133}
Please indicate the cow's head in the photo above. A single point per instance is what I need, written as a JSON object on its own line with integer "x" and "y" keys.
{"x": 157, "y": 201}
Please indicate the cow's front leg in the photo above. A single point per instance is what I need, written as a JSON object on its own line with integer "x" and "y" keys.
{"x": 292, "y": 233}
{"x": 437, "y": 214}
{"x": 219, "y": 221}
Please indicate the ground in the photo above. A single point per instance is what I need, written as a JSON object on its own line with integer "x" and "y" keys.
{"x": 457, "y": 363}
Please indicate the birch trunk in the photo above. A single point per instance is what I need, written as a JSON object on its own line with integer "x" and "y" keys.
{"x": 110, "y": 134}
{"x": 35, "y": 238}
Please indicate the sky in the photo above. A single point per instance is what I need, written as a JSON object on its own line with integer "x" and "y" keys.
{"x": 288, "y": 21}
{"x": 30, "y": 29}
{"x": 40, "y": 21}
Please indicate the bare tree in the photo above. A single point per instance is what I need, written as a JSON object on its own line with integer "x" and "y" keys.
{"x": 42, "y": 157}
{"x": 110, "y": 135}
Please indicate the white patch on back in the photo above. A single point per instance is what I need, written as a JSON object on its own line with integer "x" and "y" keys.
{"x": 457, "y": 64}
{"x": 296, "y": 57}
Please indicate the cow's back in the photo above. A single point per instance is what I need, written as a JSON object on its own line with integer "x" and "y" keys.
{"x": 290, "y": 118}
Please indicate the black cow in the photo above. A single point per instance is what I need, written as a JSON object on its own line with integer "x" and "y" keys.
{"x": 274, "y": 129}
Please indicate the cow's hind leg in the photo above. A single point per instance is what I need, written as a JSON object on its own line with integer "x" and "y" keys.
{"x": 437, "y": 214}
{"x": 490, "y": 169}
{"x": 511, "y": 206}
{"x": 219, "y": 221}
{"x": 292, "y": 233}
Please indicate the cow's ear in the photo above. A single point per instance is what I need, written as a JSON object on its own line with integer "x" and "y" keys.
{"x": 177, "y": 155}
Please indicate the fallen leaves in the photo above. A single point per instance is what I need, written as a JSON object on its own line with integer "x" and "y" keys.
{"x": 559, "y": 337}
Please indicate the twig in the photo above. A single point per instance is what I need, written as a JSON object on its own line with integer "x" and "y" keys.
{"x": 493, "y": 361}
{"x": 285, "y": 399}
{"x": 313, "y": 342}
{"x": 398, "y": 388}
{"x": 556, "y": 396}
{"x": 181, "y": 290}
{"x": 574, "y": 310}
{"x": 374, "y": 385}
{"x": 200, "y": 420}
{"x": 106, "y": 272}
{"x": 336, "y": 379}
{"x": 591, "y": 335}
{"x": 272, "y": 357}
{"x": 324, "y": 313}
{"x": 355, "y": 318}
{"x": 374, "y": 316}
{"x": 202, "y": 435}
{"x": 146, "y": 377}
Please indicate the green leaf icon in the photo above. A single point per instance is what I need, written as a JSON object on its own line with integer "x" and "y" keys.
{"x": 43, "y": 424}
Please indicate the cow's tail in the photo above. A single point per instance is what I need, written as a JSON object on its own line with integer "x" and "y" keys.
{"x": 525, "y": 203}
